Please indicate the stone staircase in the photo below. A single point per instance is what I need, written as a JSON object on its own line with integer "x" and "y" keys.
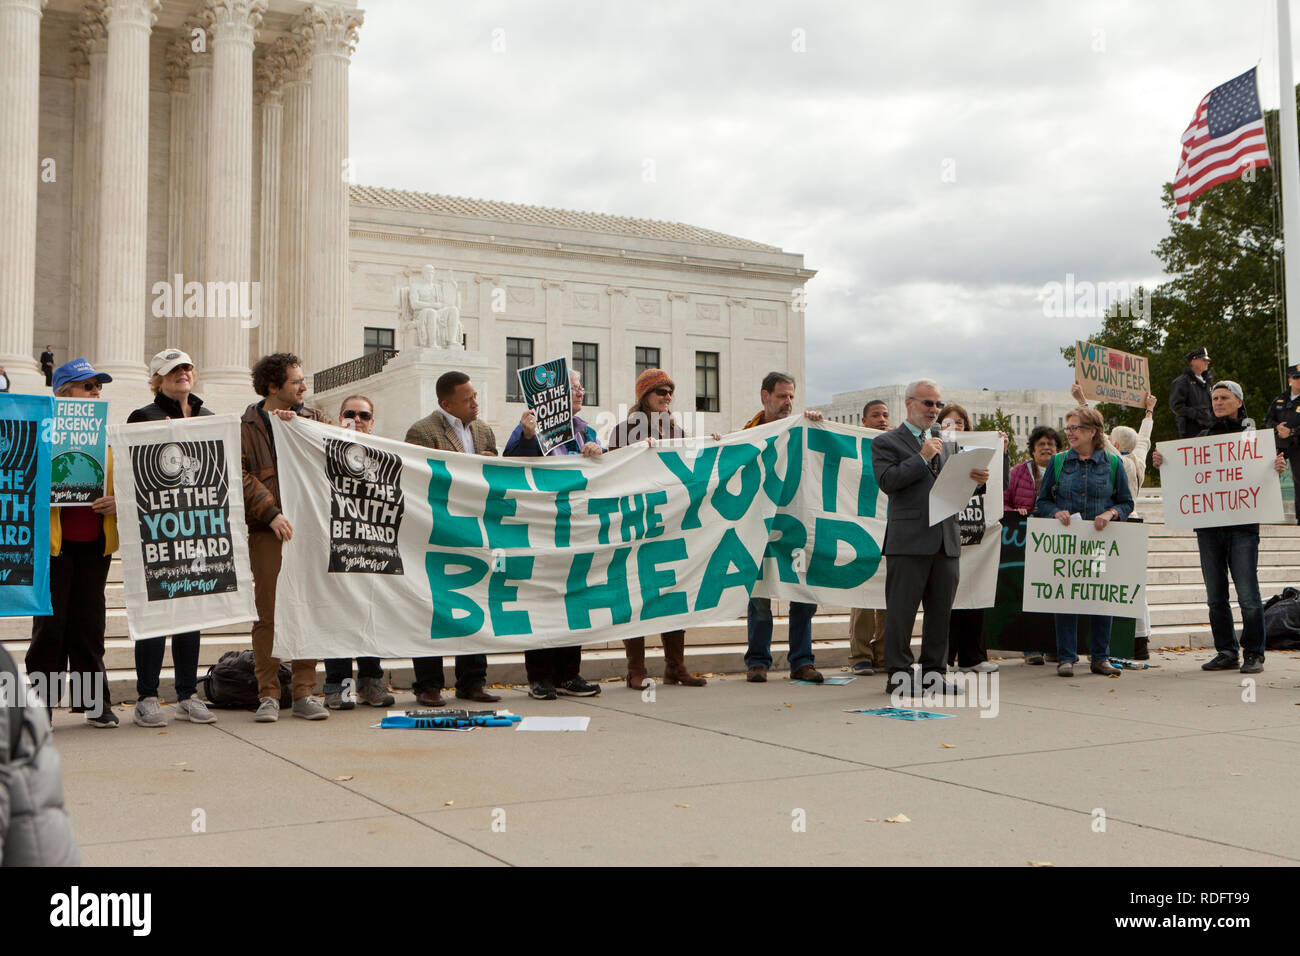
{"x": 1174, "y": 589}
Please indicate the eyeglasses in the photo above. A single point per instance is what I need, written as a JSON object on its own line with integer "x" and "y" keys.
{"x": 927, "y": 402}
{"x": 663, "y": 392}
{"x": 92, "y": 386}
{"x": 1294, "y": 375}
{"x": 296, "y": 381}
{"x": 353, "y": 413}
{"x": 578, "y": 390}
{"x": 1071, "y": 429}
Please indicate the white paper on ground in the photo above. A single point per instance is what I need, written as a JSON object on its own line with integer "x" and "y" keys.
{"x": 554, "y": 723}
{"x": 954, "y": 486}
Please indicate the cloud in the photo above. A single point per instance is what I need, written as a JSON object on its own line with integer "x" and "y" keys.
{"x": 1060, "y": 120}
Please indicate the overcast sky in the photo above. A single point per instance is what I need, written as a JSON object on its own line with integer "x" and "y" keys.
{"x": 937, "y": 162}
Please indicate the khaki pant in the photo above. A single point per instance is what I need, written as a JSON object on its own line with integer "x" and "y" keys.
{"x": 264, "y": 555}
{"x": 867, "y": 635}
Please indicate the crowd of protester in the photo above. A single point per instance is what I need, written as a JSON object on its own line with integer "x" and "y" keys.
{"x": 1085, "y": 474}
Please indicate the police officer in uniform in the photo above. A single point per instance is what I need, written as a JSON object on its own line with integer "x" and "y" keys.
{"x": 1189, "y": 395}
{"x": 1284, "y": 417}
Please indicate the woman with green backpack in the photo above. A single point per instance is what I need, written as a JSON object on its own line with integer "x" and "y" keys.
{"x": 1087, "y": 481}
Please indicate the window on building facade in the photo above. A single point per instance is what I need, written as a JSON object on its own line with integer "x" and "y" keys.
{"x": 585, "y": 364}
{"x": 377, "y": 339}
{"x": 646, "y": 358}
{"x": 706, "y": 382}
{"x": 519, "y": 354}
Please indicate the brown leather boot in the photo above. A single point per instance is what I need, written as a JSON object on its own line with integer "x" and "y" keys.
{"x": 634, "y": 647}
{"x": 675, "y": 671}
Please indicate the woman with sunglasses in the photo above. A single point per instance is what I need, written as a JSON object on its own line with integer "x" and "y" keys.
{"x": 171, "y": 379}
{"x": 82, "y": 542}
{"x": 651, "y": 420}
{"x": 357, "y": 413}
{"x": 1091, "y": 484}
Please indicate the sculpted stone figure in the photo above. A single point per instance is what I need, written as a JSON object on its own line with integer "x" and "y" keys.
{"x": 430, "y": 312}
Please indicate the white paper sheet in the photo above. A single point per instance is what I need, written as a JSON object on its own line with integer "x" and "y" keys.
{"x": 554, "y": 723}
{"x": 954, "y": 485}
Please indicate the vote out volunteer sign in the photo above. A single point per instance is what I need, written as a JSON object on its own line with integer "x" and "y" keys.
{"x": 1220, "y": 480}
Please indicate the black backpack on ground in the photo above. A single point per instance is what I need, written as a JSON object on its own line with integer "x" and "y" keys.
{"x": 1282, "y": 621}
{"x": 231, "y": 683}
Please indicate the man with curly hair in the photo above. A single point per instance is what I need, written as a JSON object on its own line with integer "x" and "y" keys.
{"x": 279, "y": 379}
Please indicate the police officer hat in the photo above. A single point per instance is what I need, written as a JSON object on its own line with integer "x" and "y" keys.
{"x": 1198, "y": 354}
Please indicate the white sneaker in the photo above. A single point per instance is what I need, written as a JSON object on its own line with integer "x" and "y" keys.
{"x": 983, "y": 667}
{"x": 268, "y": 711}
{"x": 195, "y": 711}
{"x": 149, "y": 713}
{"x": 309, "y": 708}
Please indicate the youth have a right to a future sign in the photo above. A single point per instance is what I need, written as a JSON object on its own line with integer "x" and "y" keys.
{"x": 1220, "y": 480}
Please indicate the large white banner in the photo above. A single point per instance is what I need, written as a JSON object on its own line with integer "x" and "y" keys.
{"x": 1077, "y": 569}
{"x": 180, "y": 523}
{"x": 403, "y": 551}
{"x": 1221, "y": 480}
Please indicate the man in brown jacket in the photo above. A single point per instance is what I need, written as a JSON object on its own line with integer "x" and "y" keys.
{"x": 280, "y": 380}
{"x": 453, "y": 426}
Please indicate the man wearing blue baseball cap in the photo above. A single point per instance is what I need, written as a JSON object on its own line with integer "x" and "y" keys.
{"x": 82, "y": 542}
{"x": 81, "y": 376}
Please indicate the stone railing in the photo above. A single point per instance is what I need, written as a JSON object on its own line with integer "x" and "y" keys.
{"x": 351, "y": 371}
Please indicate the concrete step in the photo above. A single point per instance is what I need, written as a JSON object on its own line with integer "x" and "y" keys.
{"x": 1279, "y": 575}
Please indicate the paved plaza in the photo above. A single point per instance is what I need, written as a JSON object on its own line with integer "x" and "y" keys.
{"x": 1151, "y": 768}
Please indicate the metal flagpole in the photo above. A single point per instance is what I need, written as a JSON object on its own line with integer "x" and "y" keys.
{"x": 1290, "y": 179}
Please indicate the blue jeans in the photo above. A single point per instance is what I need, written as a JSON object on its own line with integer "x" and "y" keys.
{"x": 1234, "y": 548}
{"x": 1067, "y": 637}
{"x": 759, "y": 625}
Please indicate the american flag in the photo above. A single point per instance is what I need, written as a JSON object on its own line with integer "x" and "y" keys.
{"x": 1226, "y": 136}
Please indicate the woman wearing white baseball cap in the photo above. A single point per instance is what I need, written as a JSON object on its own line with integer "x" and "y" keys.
{"x": 171, "y": 379}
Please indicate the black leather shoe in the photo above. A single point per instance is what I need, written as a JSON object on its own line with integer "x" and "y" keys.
{"x": 1253, "y": 664}
{"x": 479, "y": 694}
{"x": 1221, "y": 662}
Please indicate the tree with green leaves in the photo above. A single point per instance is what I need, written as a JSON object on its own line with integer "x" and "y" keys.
{"x": 1224, "y": 292}
{"x": 1000, "y": 421}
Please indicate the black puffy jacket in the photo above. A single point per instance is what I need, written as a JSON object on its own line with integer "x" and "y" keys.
{"x": 34, "y": 827}
{"x": 1189, "y": 400}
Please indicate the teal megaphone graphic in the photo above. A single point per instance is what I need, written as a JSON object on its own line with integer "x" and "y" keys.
{"x": 543, "y": 376}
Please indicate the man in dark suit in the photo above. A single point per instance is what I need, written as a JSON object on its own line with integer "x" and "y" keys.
{"x": 47, "y": 364}
{"x": 922, "y": 561}
{"x": 453, "y": 426}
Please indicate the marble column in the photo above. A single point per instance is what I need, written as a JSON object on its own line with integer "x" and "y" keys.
{"x": 332, "y": 32}
{"x": 179, "y": 161}
{"x": 20, "y": 90}
{"x": 123, "y": 211}
{"x": 232, "y": 25}
{"x": 194, "y": 223}
{"x": 291, "y": 254}
{"x": 268, "y": 88}
{"x": 90, "y": 50}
